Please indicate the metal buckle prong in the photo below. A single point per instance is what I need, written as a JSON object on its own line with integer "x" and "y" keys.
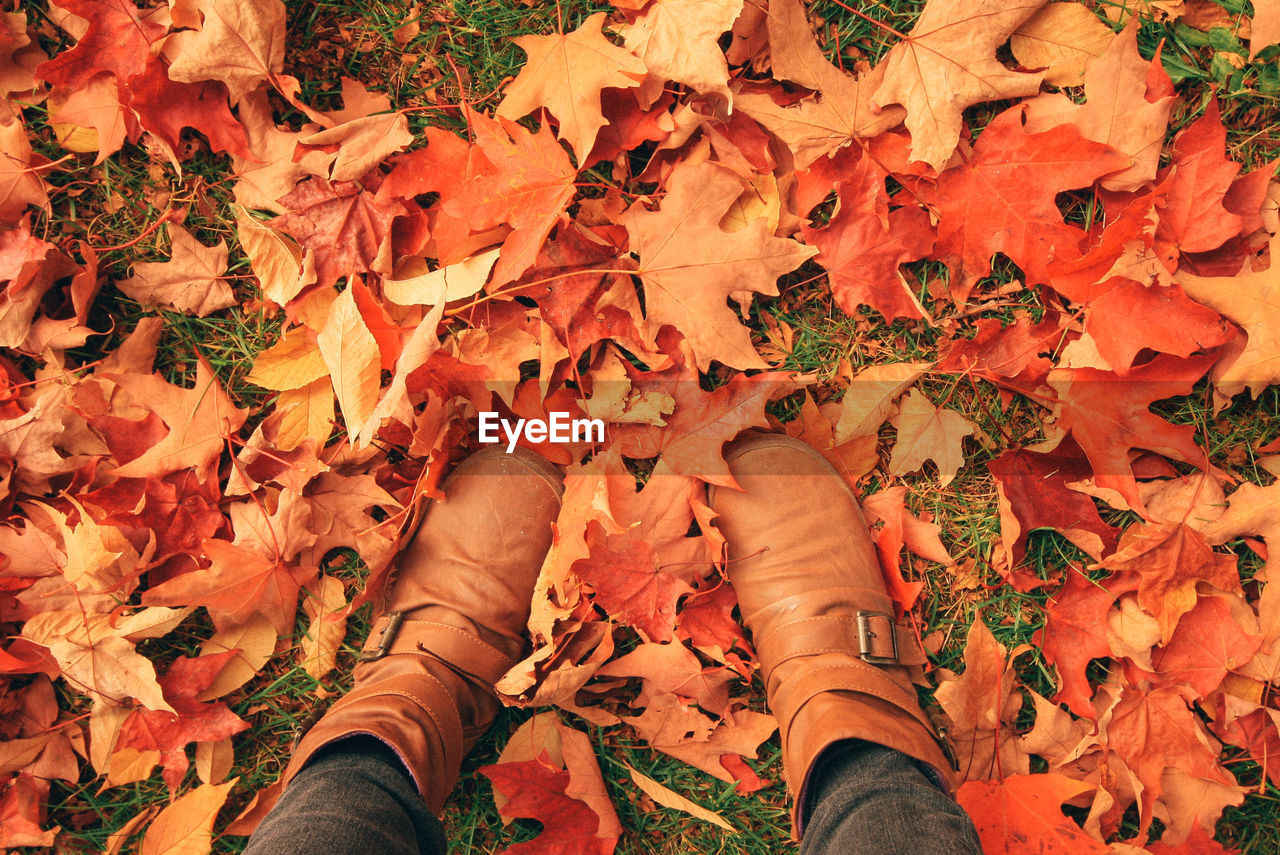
{"x": 386, "y": 639}
{"x": 866, "y": 633}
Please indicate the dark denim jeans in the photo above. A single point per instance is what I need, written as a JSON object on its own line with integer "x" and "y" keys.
{"x": 355, "y": 798}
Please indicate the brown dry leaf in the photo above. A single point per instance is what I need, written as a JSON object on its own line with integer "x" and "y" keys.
{"x": 97, "y": 655}
{"x": 926, "y": 432}
{"x": 565, "y": 74}
{"x": 351, "y": 354}
{"x": 20, "y": 185}
{"x": 190, "y": 281}
{"x": 1266, "y": 26}
{"x": 186, "y": 826}
{"x": 241, "y": 43}
{"x": 90, "y": 118}
{"x": 947, "y": 63}
{"x": 1061, "y": 38}
{"x": 263, "y": 182}
{"x": 1252, "y": 511}
{"x": 689, "y": 265}
{"x": 678, "y": 40}
{"x": 214, "y": 760}
{"x": 361, "y": 143}
{"x": 841, "y": 109}
{"x": 982, "y": 704}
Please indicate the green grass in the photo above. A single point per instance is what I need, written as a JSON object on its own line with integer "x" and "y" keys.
{"x": 462, "y": 53}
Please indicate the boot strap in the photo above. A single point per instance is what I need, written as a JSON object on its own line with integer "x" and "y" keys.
{"x": 874, "y": 637}
{"x": 856, "y": 677}
{"x": 471, "y": 657}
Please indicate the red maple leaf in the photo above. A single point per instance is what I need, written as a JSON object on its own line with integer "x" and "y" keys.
{"x": 1004, "y": 198}
{"x": 864, "y": 244}
{"x": 534, "y": 789}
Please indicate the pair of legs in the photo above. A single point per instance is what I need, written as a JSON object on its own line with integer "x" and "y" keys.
{"x": 858, "y": 752}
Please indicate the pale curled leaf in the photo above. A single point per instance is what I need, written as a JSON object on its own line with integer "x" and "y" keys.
{"x": 671, "y": 799}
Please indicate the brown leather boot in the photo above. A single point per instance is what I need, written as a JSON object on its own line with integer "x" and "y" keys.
{"x": 451, "y": 621}
{"x": 836, "y": 665}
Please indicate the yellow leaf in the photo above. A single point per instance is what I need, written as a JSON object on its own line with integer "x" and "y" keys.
{"x": 1061, "y": 38}
{"x": 308, "y": 412}
{"x": 253, "y": 641}
{"x": 443, "y": 285}
{"x": 869, "y": 398}
{"x": 351, "y": 354}
{"x": 670, "y": 798}
{"x": 291, "y": 363}
{"x": 277, "y": 260}
{"x": 186, "y": 826}
{"x": 326, "y": 606}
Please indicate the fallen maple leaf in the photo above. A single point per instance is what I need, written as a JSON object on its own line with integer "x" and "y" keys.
{"x": 190, "y": 281}
{"x": 865, "y": 243}
{"x": 198, "y": 420}
{"x": 527, "y": 184}
{"x": 690, "y": 266}
{"x": 1128, "y": 107}
{"x": 186, "y": 825}
{"x": 947, "y": 63}
{"x": 1060, "y": 38}
{"x": 1020, "y": 808}
{"x": 1250, "y": 299}
{"x": 841, "y": 109}
{"x": 982, "y": 703}
{"x": 678, "y": 41}
{"x": 1003, "y": 198}
{"x": 566, "y": 74}
{"x": 1109, "y": 416}
{"x": 926, "y": 432}
{"x": 1169, "y": 561}
{"x": 240, "y": 43}
{"x": 341, "y": 223}
{"x": 536, "y": 790}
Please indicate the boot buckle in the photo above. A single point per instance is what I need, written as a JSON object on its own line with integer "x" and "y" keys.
{"x": 873, "y": 627}
{"x": 390, "y": 629}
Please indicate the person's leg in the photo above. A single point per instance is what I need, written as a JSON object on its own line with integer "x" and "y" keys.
{"x": 868, "y": 798}
{"x": 355, "y": 797}
{"x": 839, "y": 669}
{"x": 450, "y": 622}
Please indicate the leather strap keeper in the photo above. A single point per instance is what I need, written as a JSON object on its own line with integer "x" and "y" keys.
{"x": 393, "y": 633}
{"x": 874, "y": 637}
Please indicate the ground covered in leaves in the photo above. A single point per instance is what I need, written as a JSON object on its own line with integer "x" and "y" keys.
{"x": 1008, "y": 265}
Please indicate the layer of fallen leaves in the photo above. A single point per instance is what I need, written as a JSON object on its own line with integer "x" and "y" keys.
{"x": 421, "y": 280}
